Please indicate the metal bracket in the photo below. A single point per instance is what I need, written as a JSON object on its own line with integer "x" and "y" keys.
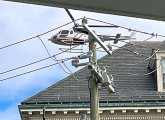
{"x": 103, "y": 78}
{"x": 97, "y": 39}
{"x": 75, "y": 61}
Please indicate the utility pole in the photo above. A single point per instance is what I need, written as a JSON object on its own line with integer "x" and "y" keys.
{"x": 93, "y": 85}
{"x": 97, "y": 75}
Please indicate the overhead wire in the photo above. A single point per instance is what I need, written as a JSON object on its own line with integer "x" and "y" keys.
{"x": 137, "y": 63}
{"x": 148, "y": 39}
{"x": 29, "y": 72}
{"x": 64, "y": 51}
{"x": 134, "y": 30}
{"x": 129, "y": 29}
{"x": 55, "y": 59}
{"x": 13, "y": 69}
{"x": 70, "y": 71}
{"x": 131, "y": 74}
{"x": 126, "y": 48}
{"x": 38, "y": 60}
{"x": 26, "y": 65}
{"x": 30, "y": 38}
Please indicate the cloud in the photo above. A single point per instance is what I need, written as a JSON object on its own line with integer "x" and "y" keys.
{"x": 17, "y": 23}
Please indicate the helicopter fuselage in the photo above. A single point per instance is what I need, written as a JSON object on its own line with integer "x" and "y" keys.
{"x": 69, "y": 37}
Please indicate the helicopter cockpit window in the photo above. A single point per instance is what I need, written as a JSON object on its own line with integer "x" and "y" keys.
{"x": 71, "y": 32}
{"x": 65, "y": 32}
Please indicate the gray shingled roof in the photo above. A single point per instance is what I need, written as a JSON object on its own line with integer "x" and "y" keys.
{"x": 128, "y": 87}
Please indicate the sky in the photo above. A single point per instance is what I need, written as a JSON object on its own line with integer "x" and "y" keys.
{"x": 21, "y": 21}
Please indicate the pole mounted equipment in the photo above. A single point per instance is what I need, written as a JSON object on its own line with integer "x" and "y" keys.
{"x": 97, "y": 75}
{"x": 96, "y": 38}
{"x": 103, "y": 78}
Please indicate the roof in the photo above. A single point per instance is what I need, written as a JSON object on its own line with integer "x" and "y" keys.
{"x": 133, "y": 8}
{"x": 131, "y": 83}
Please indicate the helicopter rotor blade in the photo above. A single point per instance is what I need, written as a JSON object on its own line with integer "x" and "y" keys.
{"x": 70, "y": 15}
{"x": 103, "y": 26}
{"x": 115, "y": 38}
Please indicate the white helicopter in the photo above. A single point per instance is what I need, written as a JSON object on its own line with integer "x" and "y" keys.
{"x": 69, "y": 37}
{"x": 74, "y": 37}
{"x": 79, "y": 36}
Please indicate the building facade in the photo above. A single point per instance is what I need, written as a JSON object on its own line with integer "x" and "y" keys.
{"x": 138, "y": 70}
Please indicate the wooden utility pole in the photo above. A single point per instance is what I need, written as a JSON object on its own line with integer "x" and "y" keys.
{"x": 94, "y": 92}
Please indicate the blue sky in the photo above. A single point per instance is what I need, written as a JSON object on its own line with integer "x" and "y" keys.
{"x": 20, "y": 21}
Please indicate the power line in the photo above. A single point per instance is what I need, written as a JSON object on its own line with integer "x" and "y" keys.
{"x": 70, "y": 71}
{"x": 63, "y": 51}
{"x": 53, "y": 58}
{"x": 57, "y": 60}
{"x": 126, "y": 48}
{"x": 26, "y": 65}
{"x": 131, "y": 74}
{"x": 29, "y": 72}
{"x": 137, "y": 63}
{"x": 9, "y": 45}
{"x": 129, "y": 29}
{"x": 148, "y": 39}
{"x": 13, "y": 69}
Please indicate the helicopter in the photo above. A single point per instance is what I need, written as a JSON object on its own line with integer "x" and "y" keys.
{"x": 69, "y": 37}
{"x": 79, "y": 36}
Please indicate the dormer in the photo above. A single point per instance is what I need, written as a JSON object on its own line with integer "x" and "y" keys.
{"x": 157, "y": 65}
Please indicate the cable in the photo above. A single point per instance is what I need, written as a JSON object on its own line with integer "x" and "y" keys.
{"x": 29, "y": 72}
{"x": 36, "y": 62}
{"x": 133, "y": 52}
{"x": 125, "y": 48}
{"x": 137, "y": 63}
{"x": 129, "y": 29}
{"x": 59, "y": 63}
{"x": 133, "y": 43}
{"x": 66, "y": 60}
{"x": 6, "y": 46}
{"x": 32, "y": 64}
{"x": 70, "y": 71}
{"x": 26, "y": 65}
{"x": 53, "y": 58}
{"x": 130, "y": 74}
{"x": 148, "y": 39}
{"x": 57, "y": 60}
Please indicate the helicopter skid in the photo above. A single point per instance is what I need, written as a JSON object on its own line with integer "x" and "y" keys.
{"x": 73, "y": 41}
{"x": 69, "y": 50}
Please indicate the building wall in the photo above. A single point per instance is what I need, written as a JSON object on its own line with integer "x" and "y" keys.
{"x": 143, "y": 114}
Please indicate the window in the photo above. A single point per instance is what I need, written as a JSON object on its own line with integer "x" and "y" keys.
{"x": 157, "y": 64}
{"x": 163, "y": 72}
{"x": 58, "y": 32}
{"x": 160, "y": 66}
{"x": 65, "y": 32}
{"x": 71, "y": 32}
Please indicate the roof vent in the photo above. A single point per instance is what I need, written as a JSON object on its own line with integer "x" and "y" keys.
{"x": 58, "y": 97}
